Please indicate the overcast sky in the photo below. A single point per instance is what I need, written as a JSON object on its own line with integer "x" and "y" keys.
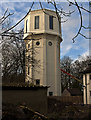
{"x": 69, "y": 28}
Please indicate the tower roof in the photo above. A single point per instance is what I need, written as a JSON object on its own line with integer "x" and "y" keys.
{"x": 43, "y": 9}
{"x": 42, "y": 21}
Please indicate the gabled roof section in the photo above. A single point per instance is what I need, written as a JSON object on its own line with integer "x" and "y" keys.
{"x": 75, "y": 91}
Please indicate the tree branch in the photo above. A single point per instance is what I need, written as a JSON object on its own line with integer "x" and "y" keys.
{"x": 81, "y": 24}
{"x": 18, "y": 21}
{"x": 71, "y": 3}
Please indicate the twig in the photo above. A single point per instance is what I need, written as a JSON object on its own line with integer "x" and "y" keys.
{"x": 43, "y": 9}
{"x": 84, "y": 36}
{"x": 18, "y": 21}
{"x": 81, "y": 24}
{"x": 4, "y": 14}
{"x": 80, "y": 21}
{"x": 6, "y": 17}
{"x": 79, "y": 6}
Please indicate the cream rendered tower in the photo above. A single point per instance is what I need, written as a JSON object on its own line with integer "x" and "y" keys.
{"x": 42, "y": 35}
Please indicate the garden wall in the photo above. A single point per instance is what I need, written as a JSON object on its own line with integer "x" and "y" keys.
{"x": 34, "y": 97}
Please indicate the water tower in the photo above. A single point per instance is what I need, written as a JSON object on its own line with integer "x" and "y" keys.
{"x": 42, "y": 35}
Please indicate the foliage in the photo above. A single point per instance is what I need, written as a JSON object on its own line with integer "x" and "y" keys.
{"x": 74, "y": 68}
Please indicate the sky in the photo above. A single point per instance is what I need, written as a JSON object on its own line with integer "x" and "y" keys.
{"x": 69, "y": 28}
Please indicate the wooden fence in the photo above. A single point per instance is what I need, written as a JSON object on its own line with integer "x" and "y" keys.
{"x": 68, "y": 99}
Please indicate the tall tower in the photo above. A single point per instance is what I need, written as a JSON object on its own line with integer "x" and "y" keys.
{"x": 42, "y": 35}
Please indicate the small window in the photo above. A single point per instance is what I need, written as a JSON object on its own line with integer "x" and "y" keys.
{"x": 51, "y": 22}
{"x": 38, "y": 82}
{"x": 50, "y": 93}
{"x": 26, "y": 25}
{"x": 28, "y": 46}
{"x": 37, "y": 43}
{"x": 36, "y": 22}
{"x": 90, "y": 93}
{"x": 90, "y": 77}
{"x": 50, "y": 43}
{"x": 28, "y": 70}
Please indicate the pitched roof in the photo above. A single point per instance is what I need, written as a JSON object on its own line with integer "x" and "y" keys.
{"x": 75, "y": 91}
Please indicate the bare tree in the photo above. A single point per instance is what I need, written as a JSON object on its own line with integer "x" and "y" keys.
{"x": 12, "y": 38}
{"x": 75, "y": 69}
{"x": 66, "y": 65}
{"x": 13, "y": 56}
{"x": 80, "y": 65}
